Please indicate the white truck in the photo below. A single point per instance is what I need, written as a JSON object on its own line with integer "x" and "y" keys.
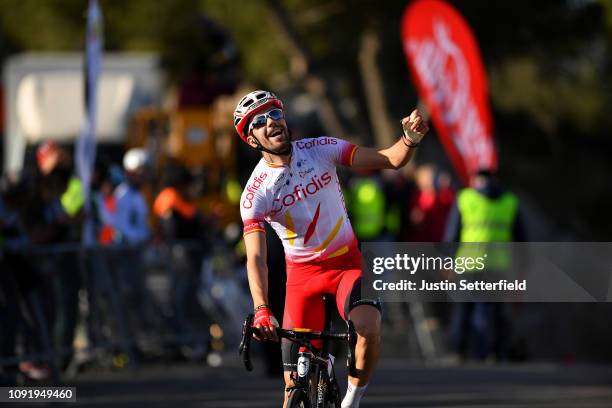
{"x": 44, "y": 99}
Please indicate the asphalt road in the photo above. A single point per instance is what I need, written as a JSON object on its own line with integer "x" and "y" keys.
{"x": 397, "y": 384}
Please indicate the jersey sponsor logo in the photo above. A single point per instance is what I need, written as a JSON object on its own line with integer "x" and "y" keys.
{"x": 252, "y": 188}
{"x": 304, "y": 173}
{"x": 301, "y": 192}
{"x": 322, "y": 141}
{"x": 252, "y": 225}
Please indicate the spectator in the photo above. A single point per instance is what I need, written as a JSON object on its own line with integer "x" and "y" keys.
{"x": 102, "y": 301}
{"x": 398, "y": 186}
{"x": 58, "y": 219}
{"x": 131, "y": 229}
{"x": 62, "y": 193}
{"x": 177, "y": 217}
{"x": 131, "y": 217}
{"x": 182, "y": 226}
{"x": 445, "y": 194}
{"x": 367, "y": 205}
{"x": 427, "y": 221}
{"x": 19, "y": 284}
{"x": 105, "y": 203}
{"x": 483, "y": 213}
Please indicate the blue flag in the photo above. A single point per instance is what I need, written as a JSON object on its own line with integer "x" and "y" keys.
{"x": 85, "y": 152}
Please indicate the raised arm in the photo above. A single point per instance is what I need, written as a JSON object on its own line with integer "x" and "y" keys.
{"x": 400, "y": 153}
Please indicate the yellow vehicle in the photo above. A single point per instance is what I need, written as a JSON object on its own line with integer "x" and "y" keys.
{"x": 191, "y": 138}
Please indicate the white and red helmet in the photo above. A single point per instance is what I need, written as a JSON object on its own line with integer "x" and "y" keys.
{"x": 249, "y": 105}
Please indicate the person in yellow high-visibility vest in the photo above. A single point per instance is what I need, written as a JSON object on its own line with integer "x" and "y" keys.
{"x": 366, "y": 202}
{"x": 484, "y": 213}
{"x": 371, "y": 201}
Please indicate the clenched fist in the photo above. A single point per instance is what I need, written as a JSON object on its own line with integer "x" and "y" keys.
{"x": 414, "y": 127}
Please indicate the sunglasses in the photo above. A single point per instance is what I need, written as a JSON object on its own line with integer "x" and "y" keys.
{"x": 261, "y": 120}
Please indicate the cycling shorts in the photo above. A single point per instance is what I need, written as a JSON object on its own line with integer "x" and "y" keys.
{"x": 306, "y": 285}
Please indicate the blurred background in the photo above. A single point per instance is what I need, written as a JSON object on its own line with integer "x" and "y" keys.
{"x": 143, "y": 266}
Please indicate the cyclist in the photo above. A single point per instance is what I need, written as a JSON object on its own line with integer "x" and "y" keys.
{"x": 294, "y": 188}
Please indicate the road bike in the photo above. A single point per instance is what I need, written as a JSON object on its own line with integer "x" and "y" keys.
{"x": 315, "y": 384}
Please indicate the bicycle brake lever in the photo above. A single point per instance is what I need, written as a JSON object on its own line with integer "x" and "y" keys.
{"x": 245, "y": 345}
{"x": 352, "y": 342}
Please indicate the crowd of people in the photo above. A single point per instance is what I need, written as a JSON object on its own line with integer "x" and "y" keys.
{"x": 47, "y": 219}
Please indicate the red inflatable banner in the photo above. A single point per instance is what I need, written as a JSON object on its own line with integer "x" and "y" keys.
{"x": 447, "y": 69}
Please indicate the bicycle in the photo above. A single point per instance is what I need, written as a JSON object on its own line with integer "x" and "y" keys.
{"x": 315, "y": 385}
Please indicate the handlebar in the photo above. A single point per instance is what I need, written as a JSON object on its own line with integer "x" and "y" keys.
{"x": 303, "y": 338}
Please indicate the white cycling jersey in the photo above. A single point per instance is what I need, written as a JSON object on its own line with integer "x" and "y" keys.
{"x": 303, "y": 200}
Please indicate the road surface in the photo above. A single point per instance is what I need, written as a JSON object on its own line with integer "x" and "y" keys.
{"x": 397, "y": 384}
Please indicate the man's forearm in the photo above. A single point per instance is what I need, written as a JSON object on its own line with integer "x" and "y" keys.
{"x": 257, "y": 272}
{"x": 399, "y": 154}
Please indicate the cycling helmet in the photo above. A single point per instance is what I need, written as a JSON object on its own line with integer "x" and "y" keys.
{"x": 249, "y": 105}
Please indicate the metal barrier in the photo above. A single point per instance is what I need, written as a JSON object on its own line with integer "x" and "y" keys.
{"x": 121, "y": 304}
